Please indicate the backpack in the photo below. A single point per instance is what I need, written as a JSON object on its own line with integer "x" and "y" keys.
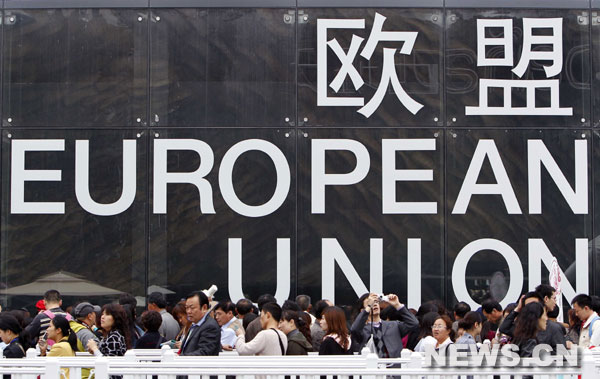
{"x": 76, "y": 327}
{"x": 51, "y": 315}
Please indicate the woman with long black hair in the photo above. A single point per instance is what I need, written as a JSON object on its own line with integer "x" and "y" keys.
{"x": 65, "y": 339}
{"x": 297, "y": 332}
{"x": 115, "y": 330}
{"x": 531, "y": 320}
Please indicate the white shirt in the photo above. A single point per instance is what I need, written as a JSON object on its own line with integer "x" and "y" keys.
{"x": 584, "y": 336}
{"x": 266, "y": 342}
{"x": 228, "y": 336}
{"x": 446, "y": 342}
{"x": 427, "y": 341}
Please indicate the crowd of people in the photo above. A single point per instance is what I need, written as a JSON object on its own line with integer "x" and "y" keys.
{"x": 197, "y": 325}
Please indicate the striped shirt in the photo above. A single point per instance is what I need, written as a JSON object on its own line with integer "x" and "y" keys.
{"x": 40, "y": 323}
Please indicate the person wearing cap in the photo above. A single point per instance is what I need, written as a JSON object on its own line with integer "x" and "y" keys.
{"x": 84, "y": 324}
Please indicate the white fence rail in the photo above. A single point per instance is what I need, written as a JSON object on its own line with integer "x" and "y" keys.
{"x": 165, "y": 364}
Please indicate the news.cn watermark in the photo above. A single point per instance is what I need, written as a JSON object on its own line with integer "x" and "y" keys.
{"x": 470, "y": 355}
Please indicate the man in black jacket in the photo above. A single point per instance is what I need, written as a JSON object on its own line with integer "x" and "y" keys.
{"x": 204, "y": 336}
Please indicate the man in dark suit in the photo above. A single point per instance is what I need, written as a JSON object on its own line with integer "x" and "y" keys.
{"x": 204, "y": 336}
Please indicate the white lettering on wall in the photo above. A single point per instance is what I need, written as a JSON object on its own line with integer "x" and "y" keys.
{"x": 332, "y": 252}
{"x": 528, "y": 54}
{"x": 459, "y": 270}
{"x": 538, "y": 155}
{"x": 319, "y": 179}
{"x": 82, "y": 178}
{"x": 391, "y": 175}
{"x": 19, "y": 175}
{"x": 235, "y": 269}
{"x": 486, "y": 148}
{"x": 389, "y": 76}
{"x": 162, "y": 177}
{"x": 413, "y": 273}
{"x": 323, "y": 25}
{"x": 282, "y": 183}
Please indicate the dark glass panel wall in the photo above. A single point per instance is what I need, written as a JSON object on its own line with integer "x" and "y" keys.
{"x": 596, "y": 187}
{"x": 189, "y": 245}
{"x": 513, "y": 223}
{"x": 355, "y": 214}
{"x": 75, "y": 67}
{"x": 212, "y": 78}
{"x": 222, "y": 67}
{"x": 595, "y": 72}
{"x": 418, "y": 69}
{"x": 97, "y": 254}
{"x": 465, "y": 75}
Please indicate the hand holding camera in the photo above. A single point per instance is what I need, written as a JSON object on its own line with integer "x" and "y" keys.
{"x": 393, "y": 300}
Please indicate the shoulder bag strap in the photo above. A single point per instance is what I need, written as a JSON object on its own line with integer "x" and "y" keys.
{"x": 280, "y": 343}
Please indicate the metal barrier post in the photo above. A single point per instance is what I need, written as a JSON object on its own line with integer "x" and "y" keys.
{"x": 130, "y": 356}
{"x": 416, "y": 360}
{"x": 371, "y": 361}
{"x": 588, "y": 366}
{"x": 370, "y": 364}
{"x": 168, "y": 356}
{"x": 52, "y": 368}
{"x": 101, "y": 368}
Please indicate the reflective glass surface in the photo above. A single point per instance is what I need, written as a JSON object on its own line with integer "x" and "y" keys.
{"x": 415, "y": 66}
{"x": 222, "y": 67}
{"x": 530, "y": 61}
{"x": 353, "y": 215}
{"x": 209, "y": 83}
{"x": 75, "y": 67}
{"x": 595, "y": 276}
{"x": 487, "y": 217}
{"x": 595, "y": 46}
{"x": 189, "y": 245}
{"x": 86, "y": 255}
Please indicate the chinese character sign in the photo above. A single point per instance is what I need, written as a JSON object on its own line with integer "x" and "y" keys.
{"x": 501, "y": 68}
{"x": 389, "y": 76}
{"x": 517, "y": 68}
{"x": 531, "y": 39}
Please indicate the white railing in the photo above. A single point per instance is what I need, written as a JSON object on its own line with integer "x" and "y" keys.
{"x": 144, "y": 364}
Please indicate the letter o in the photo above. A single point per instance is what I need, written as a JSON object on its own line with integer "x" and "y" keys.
{"x": 226, "y": 178}
{"x": 459, "y": 270}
